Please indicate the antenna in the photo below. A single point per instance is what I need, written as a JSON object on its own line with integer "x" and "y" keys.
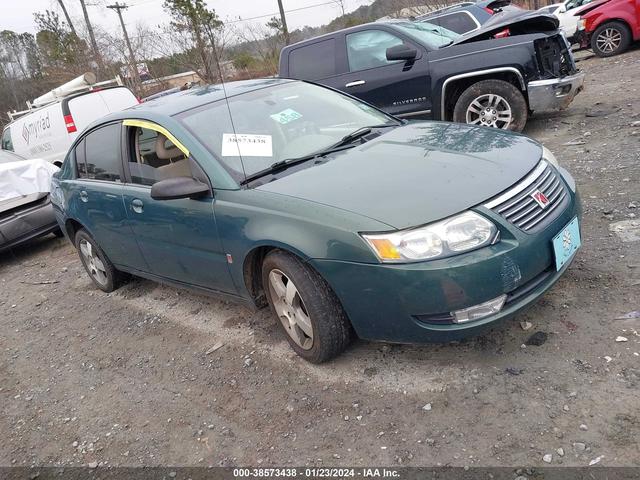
{"x": 226, "y": 100}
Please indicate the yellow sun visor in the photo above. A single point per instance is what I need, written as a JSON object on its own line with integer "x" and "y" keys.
{"x": 157, "y": 128}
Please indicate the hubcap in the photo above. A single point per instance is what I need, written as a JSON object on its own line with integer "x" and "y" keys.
{"x": 489, "y": 110}
{"x": 290, "y": 309}
{"x": 93, "y": 263}
{"x": 609, "y": 40}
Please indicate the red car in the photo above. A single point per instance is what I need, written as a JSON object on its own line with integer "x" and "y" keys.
{"x": 609, "y": 26}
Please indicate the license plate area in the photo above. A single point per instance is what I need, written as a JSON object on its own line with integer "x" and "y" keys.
{"x": 566, "y": 243}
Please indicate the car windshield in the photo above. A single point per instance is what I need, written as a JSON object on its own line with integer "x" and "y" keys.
{"x": 282, "y": 122}
{"x": 429, "y": 34}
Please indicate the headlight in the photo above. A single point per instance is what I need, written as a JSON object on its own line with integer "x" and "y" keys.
{"x": 458, "y": 234}
{"x": 581, "y": 24}
{"x": 550, "y": 157}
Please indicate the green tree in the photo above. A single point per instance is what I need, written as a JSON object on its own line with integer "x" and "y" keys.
{"x": 201, "y": 25}
{"x": 59, "y": 48}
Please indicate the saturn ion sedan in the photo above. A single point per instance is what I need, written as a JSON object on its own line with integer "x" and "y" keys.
{"x": 344, "y": 220}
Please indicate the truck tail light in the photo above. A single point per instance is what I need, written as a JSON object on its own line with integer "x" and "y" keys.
{"x": 502, "y": 33}
{"x": 70, "y": 124}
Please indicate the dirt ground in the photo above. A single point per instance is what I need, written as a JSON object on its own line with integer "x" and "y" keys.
{"x": 125, "y": 378}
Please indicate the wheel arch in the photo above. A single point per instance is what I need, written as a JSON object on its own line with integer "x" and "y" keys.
{"x": 71, "y": 227}
{"x": 604, "y": 20}
{"x": 453, "y": 86}
{"x": 252, "y": 268}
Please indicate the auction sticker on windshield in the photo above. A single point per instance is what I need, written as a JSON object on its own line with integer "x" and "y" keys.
{"x": 246, "y": 145}
{"x": 566, "y": 243}
{"x": 286, "y": 116}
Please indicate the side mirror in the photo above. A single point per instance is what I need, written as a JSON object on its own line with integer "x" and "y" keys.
{"x": 401, "y": 52}
{"x": 178, "y": 187}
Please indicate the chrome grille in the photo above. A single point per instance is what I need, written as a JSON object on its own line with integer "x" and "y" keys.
{"x": 521, "y": 209}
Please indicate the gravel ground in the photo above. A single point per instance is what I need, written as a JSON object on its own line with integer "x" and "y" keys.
{"x": 130, "y": 378}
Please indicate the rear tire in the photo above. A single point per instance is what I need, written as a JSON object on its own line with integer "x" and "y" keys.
{"x": 98, "y": 266}
{"x": 308, "y": 311}
{"x": 492, "y": 103}
{"x": 611, "y": 38}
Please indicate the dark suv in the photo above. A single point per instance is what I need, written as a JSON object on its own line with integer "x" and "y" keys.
{"x": 421, "y": 70}
{"x": 465, "y": 17}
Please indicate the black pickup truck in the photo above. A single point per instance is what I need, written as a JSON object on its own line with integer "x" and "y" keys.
{"x": 494, "y": 76}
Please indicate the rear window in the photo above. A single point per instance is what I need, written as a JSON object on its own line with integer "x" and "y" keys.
{"x": 98, "y": 156}
{"x": 314, "y": 61}
{"x": 459, "y": 22}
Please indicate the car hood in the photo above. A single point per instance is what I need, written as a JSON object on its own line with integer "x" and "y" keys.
{"x": 518, "y": 22}
{"x": 415, "y": 174}
{"x": 588, "y": 7}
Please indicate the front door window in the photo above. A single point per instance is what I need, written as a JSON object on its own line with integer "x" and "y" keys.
{"x": 155, "y": 158}
{"x": 368, "y": 49}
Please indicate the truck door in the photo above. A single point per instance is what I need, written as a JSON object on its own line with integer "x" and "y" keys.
{"x": 398, "y": 87}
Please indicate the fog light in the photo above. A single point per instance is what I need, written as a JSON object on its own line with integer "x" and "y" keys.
{"x": 479, "y": 311}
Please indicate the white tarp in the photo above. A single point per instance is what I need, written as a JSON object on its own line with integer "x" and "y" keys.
{"x": 25, "y": 177}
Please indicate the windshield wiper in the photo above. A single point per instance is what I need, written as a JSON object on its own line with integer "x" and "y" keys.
{"x": 343, "y": 144}
{"x": 359, "y": 133}
{"x": 284, "y": 164}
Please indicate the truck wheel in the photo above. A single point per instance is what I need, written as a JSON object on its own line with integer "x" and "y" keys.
{"x": 309, "y": 312}
{"x": 610, "y": 39}
{"x": 100, "y": 269}
{"x": 492, "y": 103}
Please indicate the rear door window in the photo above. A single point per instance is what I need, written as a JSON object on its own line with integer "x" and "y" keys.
{"x": 459, "y": 22}
{"x": 314, "y": 61}
{"x": 7, "y": 144}
{"x": 368, "y": 49}
{"x": 102, "y": 155}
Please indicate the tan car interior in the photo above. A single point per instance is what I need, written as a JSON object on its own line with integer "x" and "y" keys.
{"x": 157, "y": 158}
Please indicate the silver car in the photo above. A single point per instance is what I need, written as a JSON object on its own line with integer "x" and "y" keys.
{"x": 26, "y": 217}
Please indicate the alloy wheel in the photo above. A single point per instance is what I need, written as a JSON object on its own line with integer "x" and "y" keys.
{"x": 290, "y": 309}
{"x": 489, "y": 110}
{"x": 609, "y": 40}
{"x": 93, "y": 263}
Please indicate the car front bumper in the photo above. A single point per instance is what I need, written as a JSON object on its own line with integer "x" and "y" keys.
{"x": 411, "y": 303}
{"x": 25, "y": 224}
{"x": 554, "y": 93}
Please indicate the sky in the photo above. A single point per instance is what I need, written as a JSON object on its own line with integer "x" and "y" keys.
{"x": 19, "y": 17}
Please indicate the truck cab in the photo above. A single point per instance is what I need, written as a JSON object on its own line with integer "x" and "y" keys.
{"x": 420, "y": 70}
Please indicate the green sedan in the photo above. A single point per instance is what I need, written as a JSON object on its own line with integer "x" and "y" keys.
{"x": 344, "y": 220}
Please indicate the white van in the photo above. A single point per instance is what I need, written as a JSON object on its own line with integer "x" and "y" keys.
{"x": 47, "y": 132}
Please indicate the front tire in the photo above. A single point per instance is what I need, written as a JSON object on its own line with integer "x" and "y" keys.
{"x": 492, "y": 103}
{"x": 308, "y": 311}
{"x": 611, "y": 38}
{"x": 98, "y": 266}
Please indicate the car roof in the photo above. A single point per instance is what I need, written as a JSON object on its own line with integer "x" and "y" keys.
{"x": 186, "y": 100}
{"x": 362, "y": 26}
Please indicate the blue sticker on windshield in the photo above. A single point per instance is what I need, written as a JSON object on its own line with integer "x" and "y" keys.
{"x": 286, "y": 116}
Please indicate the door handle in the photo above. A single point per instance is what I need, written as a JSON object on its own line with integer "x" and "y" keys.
{"x": 136, "y": 205}
{"x": 84, "y": 196}
{"x": 355, "y": 84}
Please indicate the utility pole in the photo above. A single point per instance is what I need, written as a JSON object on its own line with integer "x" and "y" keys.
{"x": 66, "y": 15}
{"x": 92, "y": 37}
{"x": 285, "y": 30}
{"x": 133, "y": 68}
